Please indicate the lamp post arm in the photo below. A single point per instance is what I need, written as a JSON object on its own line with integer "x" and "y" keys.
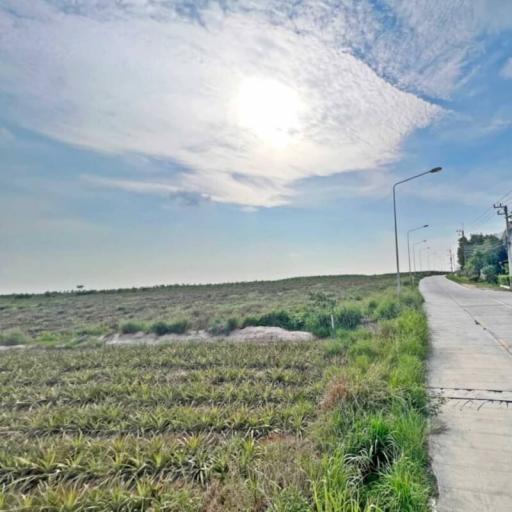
{"x": 411, "y": 178}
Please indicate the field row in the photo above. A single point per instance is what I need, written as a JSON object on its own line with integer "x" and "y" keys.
{"x": 176, "y": 356}
{"x": 114, "y": 419}
{"x": 195, "y": 457}
{"x": 137, "y": 395}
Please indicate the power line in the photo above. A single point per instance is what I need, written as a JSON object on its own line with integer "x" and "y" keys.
{"x": 487, "y": 214}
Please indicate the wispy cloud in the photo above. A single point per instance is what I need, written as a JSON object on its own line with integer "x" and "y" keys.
{"x": 141, "y": 77}
{"x": 506, "y": 70}
{"x": 434, "y": 43}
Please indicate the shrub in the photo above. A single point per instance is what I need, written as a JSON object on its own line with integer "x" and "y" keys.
{"x": 372, "y": 305}
{"x": 12, "y": 337}
{"x": 319, "y": 324}
{"x": 280, "y": 318}
{"x": 250, "y": 321}
{"x": 387, "y": 309}
{"x": 411, "y": 299}
{"x": 223, "y": 327}
{"x": 348, "y": 317}
{"x": 489, "y": 273}
{"x": 132, "y": 327}
{"x": 178, "y": 327}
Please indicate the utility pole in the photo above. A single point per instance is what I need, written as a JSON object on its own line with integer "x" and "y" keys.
{"x": 451, "y": 260}
{"x": 462, "y": 262}
{"x": 503, "y": 210}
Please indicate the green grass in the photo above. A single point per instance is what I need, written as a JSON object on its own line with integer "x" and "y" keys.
{"x": 330, "y": 425}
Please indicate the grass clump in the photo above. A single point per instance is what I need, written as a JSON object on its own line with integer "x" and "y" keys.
{"x": 387, "y": 309}
{"x": 11, "y": 337}
{"x": 177, "y": 327}
{"x": 348, "y": 317}
{"x": 223, "y": 327}
{"x": 132, "y": 327}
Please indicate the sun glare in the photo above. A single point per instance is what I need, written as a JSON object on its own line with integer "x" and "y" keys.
{"x": 269, "y": 109}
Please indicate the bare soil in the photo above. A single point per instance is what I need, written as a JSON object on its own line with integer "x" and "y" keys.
{"x": 263, "y": 334}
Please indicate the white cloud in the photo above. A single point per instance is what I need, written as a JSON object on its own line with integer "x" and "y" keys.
{"x": 167, "y": 87}
{"x": 506, "y": 70}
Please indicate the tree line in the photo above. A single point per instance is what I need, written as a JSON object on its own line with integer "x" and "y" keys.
{"x": 482, "y": 257}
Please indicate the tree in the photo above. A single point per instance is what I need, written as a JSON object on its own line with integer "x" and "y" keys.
{"x": 484, "y": 256}
{"x": 474, "y": 265}
{"x": 461, "y": 256}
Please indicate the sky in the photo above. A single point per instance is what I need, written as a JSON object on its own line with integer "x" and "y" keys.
{"x": 168, "y": 141}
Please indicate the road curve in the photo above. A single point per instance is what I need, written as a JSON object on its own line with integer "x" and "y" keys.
{"x": 470, "y": 366}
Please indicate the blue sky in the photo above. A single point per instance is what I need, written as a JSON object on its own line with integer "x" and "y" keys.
{"x": 151, "y": 141}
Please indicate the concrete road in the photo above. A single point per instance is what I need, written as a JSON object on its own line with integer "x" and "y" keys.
{"x": 471, "y": 368}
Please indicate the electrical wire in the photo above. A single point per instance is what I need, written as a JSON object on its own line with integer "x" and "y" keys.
{"x": 486, "y": 215}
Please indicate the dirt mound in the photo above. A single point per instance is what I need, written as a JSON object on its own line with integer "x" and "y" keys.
{"x": 263, "y": 334}
{"x": 269, "y": 334}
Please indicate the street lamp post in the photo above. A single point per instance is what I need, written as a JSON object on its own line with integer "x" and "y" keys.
{"x": 414, "y": 252}
{"x": 409, "y": 248}
{"x": 431, "y": 171}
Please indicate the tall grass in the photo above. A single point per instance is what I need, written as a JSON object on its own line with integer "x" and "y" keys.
{"x": 375, "y": 423}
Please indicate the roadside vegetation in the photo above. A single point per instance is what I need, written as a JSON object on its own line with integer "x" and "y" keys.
{"x": 332, "y": 425}
{"x": 482, "y": 259}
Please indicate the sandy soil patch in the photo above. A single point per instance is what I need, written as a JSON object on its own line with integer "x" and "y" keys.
{"x": 263, "y": 334}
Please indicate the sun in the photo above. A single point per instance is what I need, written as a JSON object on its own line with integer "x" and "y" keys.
{"x": 269, "y": 109}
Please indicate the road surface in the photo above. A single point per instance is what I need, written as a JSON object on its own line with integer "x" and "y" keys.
{"x": 471, "y": 368}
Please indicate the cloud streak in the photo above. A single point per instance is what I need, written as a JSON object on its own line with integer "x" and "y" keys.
{"x": 139, "y": 77}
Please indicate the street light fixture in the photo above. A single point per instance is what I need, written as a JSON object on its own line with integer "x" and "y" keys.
{"x": 409, "y": 248}
{"x": 431, "y": 171}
